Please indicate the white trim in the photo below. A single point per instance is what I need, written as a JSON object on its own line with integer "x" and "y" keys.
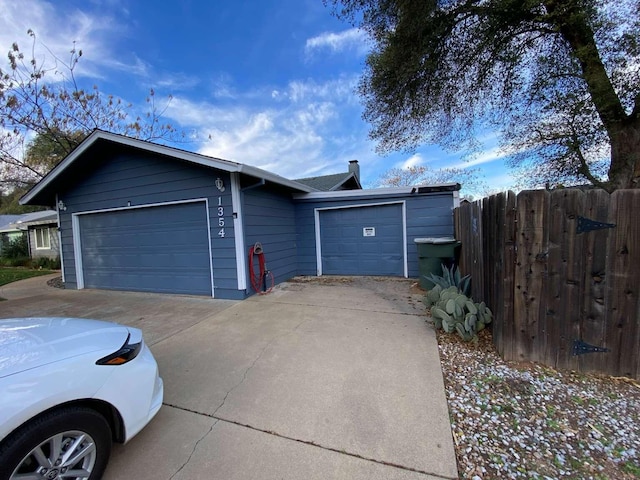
{"x": 143, "y": 205}
{"x": 238, "y": 231}
{"x": 60, "y": 239}
{"x": 373, "y": 192}
{"x": 316, "y": 214}
{"x": 198, "y": 159}
{"x": 316, "y": 217}
{"x": 35, "y": 236}
{"x": 456, "y": 199}
{"x": 77, "y": 251}
{"x": 75, "y": 225}
{"x": 206, "y": 213}
{"x": 404, "y": 239}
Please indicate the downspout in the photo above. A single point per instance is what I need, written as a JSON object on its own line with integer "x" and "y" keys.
{"x": 60, "y": 238}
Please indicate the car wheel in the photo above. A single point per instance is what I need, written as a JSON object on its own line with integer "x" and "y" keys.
{"x": 69, "y": 443}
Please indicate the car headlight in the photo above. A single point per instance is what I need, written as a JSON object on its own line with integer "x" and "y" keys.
{"x": 128, "y": 352}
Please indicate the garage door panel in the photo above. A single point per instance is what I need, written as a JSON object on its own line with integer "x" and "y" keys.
{"x": 346, "y": 251}
{"x": 155, "y": 249}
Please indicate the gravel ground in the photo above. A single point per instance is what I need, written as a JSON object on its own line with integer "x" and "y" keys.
{"x": 513, "y": 420}
{"x": 56, "y": 282}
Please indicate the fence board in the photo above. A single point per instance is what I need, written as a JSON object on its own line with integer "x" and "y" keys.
{"x": 592, "y": 305}
{"x": 531, "y": 266}
{"x": 622, "y": 335}
{"x": 564, "y": 284}
{"x": 508, "y": 279}
{"x": 494, "y": 210}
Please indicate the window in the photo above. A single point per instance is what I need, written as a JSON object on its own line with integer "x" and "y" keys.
{"x": 42, "y": 238}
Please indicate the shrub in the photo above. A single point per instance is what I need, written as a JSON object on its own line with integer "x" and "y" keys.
{"x": 453, "y": 311}
{"x": 16, "y": 248}
{"x": 45, "y": 263}
{"x": 15, "y": 262}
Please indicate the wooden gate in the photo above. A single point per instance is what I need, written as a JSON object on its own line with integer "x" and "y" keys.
{"x": 561, "y": 271}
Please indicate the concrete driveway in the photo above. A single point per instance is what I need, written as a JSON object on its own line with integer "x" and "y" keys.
{"x": 321, "y": 379}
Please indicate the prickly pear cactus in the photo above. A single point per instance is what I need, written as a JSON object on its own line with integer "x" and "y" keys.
{"x": 453, "y": 311}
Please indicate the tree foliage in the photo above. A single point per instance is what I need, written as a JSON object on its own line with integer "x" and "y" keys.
{"x": 45, "y": 113}
{"x": 559, "y": 78}
{"x": 9, "y": 202}
{"x": 425, "y": 175}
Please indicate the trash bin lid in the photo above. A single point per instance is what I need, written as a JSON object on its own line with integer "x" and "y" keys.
{"x": 435, "y": 240}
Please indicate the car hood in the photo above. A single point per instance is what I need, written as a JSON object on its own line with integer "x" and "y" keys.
{"x": 27, "y": 343}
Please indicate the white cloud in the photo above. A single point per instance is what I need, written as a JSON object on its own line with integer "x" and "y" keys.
{"x": 97, "y": 34}
{"x": 353, "y": 39}
{"x": 56, "y": 31}
{"x": 414, "y": 160}
{"x": 289, "y": 131}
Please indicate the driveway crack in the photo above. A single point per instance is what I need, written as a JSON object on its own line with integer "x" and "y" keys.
{"x": 311, "y": 443}
{"x": 195, "y": 447}
{"x": 255, "y": 360}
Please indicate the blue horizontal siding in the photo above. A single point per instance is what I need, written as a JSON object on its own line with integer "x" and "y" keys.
{"x": 139, "y": 178}
{"x": 428, "y": 215}
{"x": 269, "y": 218}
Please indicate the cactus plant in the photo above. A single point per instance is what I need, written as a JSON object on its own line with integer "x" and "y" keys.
{"x": 453, "y": 311}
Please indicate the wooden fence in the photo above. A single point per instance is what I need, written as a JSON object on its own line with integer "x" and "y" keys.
{"x": 561, "y": 271}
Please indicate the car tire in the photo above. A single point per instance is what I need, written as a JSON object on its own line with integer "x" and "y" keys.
{"x": 64, "y": 427}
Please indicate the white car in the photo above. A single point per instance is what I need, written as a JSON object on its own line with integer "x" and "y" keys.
{"x": 69, "y": 387}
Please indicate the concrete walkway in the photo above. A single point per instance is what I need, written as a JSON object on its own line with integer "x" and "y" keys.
{"x": 317, "y": 380}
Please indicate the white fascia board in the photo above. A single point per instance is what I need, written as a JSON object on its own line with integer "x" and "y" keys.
{"x": 196, "y": 158}
{"x": 373, "y": 192}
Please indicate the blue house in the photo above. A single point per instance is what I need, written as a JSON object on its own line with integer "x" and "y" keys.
{"x": 139, "y": 216}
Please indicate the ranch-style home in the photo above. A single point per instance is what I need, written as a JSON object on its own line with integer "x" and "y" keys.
{"x": 135, "y": 215}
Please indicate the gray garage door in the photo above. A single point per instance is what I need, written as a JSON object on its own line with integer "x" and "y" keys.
{"x": 362, "y": 241}
{"x": 157, "y": 249}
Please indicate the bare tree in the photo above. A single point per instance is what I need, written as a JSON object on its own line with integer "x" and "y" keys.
{"x": 45, "y": 114}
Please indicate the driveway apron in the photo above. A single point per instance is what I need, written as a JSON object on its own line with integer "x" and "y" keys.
{"x": 319, "y": 379}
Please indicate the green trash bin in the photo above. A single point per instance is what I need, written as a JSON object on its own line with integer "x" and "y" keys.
{"x": 432, "y": 253}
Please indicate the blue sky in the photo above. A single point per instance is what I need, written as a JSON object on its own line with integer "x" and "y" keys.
{"x": 268, "y": 83}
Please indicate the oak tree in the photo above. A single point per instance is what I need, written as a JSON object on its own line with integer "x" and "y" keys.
{"x": 560, "y": 79}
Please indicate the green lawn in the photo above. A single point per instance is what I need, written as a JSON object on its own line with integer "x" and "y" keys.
{"x": 8, "y": 275}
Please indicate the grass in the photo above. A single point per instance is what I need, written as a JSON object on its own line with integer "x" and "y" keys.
{"x": 9, "y": 275}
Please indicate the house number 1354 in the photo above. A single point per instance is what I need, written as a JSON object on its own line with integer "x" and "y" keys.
{"x": 220, "y": 218}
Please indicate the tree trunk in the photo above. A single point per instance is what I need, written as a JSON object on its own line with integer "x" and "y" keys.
{"x": 624, "y": 171}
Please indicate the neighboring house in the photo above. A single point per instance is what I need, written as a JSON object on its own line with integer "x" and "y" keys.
{"x": 42, "y": 232}
{"x": 8, "y": 231}
{"x": 135, "y": 215}
{"x": 41, "y": 229}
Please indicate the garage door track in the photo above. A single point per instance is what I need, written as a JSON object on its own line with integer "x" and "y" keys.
{"x": 322, "y": 378}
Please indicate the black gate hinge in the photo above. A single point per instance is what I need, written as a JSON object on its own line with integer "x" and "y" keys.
{"x": 581, "y": 348}
{"x": 588, "y": 225}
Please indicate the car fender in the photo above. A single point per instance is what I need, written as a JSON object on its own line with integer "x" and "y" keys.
{"x": 34, "y": 391}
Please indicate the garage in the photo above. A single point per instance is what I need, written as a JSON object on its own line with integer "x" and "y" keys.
{"x": 362, "y": 240}
{"x": 162, "y": 248}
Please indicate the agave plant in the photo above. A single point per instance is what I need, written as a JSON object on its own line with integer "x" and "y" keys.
{"x": 451, "y": 278}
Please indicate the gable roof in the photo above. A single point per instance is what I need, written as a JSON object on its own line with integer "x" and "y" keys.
{"x": 7, "y": 223}
{"x": 38, "y": 218}
{"x": 330, "y": 183}
{"x": 44, "y": 190}
{"x": 14, "y": 223}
